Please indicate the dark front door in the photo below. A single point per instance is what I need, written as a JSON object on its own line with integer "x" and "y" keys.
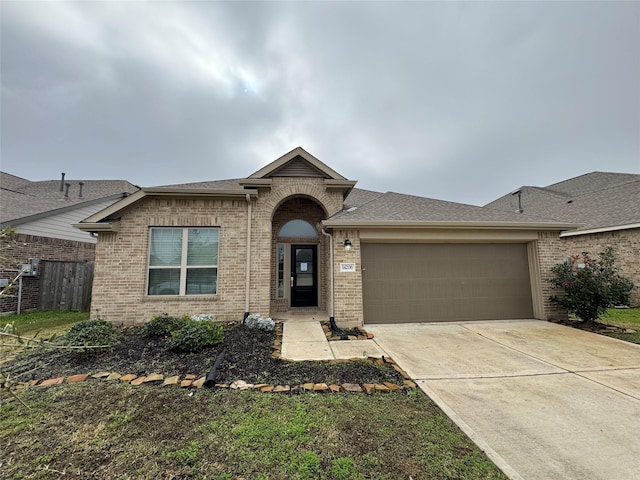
{"x": 304, "y": 276}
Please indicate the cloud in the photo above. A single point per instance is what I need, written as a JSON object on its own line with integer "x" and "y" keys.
{"x": 461, "y": 101}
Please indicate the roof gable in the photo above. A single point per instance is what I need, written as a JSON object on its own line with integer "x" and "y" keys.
{"x": 297, "y": 163}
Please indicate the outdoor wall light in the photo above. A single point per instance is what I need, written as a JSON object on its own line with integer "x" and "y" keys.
{"x": 347, "y": 245}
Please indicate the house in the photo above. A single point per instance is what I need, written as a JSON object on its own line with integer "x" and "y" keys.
{"x": 42, "y": 214}
{"x": 296, "y": 236}
{"x": 605, "y": 204}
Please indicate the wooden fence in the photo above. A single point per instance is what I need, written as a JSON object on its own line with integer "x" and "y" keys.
{"x": 65, "y": 285}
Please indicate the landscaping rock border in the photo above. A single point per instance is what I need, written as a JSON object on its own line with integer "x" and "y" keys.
{"x": 194, "y": 382}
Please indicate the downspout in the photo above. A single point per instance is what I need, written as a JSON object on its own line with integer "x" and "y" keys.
{"x": 331, "y": 312}
{"x": 247, "y": 282}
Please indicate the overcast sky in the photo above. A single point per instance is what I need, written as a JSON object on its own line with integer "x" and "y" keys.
{"x": 457, "y": 101}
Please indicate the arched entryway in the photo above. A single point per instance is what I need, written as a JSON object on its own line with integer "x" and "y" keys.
{"x": 298, "y": 257}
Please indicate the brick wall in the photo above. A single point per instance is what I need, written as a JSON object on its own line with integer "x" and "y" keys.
{"x": 120, "y": 278}
{"x": 626, "y": 245}
{"x": 550, "y": 253}
{"x": 19, "y": 248}
{"x": 284, "y": 189}
{"x": 348, "y": 285}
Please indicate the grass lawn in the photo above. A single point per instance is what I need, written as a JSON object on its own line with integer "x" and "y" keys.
{"x": 44, "y": 324}
{"x": 104, "y": 430}
{"x": 107, "y": 430}
{"x": 628, "y": 318}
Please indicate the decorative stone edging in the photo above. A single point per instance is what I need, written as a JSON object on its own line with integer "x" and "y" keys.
{"x": 192, "y": 381}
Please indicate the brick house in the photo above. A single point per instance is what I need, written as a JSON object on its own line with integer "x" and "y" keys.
{"x": 42, "y": 214}
{"x": 296, "y": 236}
{"x": 605, "y": 205}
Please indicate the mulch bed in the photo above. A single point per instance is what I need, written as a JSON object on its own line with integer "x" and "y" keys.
{"x": 248, "y": 356}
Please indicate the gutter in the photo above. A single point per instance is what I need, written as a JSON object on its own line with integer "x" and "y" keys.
{"x": 600, "y": 230}
{"x": 364, "y": 224}
{"x": 331, "y": 311}
{"x": 127, "y": 202}
{"x": 247, "y": 281}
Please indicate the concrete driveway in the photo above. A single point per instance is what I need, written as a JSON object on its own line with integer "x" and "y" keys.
{"x": 543, "y": 401}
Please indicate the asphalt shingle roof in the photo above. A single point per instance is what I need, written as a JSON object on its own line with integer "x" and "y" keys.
{"x": 596, "y": 200}
{"x": 367, "y": 205}
{"x": 397, "y": 207}
{"x": 20, "y": 198}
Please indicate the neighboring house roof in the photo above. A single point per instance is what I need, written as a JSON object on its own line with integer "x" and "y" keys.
{"x": 23, "y": 201}
{"x": 597, "y": 201}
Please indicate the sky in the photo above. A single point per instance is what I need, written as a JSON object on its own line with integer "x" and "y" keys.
{"x": 459, "y": 101}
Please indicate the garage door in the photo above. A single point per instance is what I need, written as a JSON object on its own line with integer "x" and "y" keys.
{"x": 445, "y": 282}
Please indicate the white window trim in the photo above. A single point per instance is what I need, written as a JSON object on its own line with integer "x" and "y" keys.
{"x": 183, "y": 263}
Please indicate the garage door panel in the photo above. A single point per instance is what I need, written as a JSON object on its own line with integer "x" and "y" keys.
{"x": 445, "y": 282}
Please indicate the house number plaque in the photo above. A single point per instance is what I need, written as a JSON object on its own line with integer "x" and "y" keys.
{"x": 347, "y": 267}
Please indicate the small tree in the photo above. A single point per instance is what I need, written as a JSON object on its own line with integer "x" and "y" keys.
{"x": 590, "y": 285}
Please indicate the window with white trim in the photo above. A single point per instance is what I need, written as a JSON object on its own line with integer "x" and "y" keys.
{"x": 183, "y": 261}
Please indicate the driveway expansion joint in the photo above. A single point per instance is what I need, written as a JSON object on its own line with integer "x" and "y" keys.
{"x": 482, "y": 377}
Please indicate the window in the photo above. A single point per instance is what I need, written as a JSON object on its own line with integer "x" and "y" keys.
{"x": 298, "y": 228}
{"x": 280, "y": 281}
{"x": 183, "y": 261}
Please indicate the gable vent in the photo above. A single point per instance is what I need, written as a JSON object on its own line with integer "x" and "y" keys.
{"x": 298, "y": 167}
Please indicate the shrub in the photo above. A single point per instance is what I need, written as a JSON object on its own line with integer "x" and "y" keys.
{"x": 91, "y": 333}
{"x": 257, "y": 321}
{"x": 590, "y": 285}
{"x": 194, "y": 336}
{"x": 163, "y": 325}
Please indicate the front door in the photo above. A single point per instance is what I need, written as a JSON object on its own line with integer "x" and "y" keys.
{"x": 304, "y": 277}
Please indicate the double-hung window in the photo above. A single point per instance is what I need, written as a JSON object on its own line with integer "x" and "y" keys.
{"x": 183, "y": 261}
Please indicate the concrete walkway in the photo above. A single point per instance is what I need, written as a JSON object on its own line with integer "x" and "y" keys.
{"x": 543, "y": 401}
{"x": 307, "y": 341}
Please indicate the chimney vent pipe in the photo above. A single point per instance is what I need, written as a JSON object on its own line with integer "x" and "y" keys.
{"x": 62, "y": 183}
{"x": 66, "y": 192}
{"x": 80, "y": 192}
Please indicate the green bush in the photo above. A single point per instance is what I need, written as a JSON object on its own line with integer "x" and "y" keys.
{"x": 91, "y": 333}
{"x": 590, "y": 285}
{"x": 194, "y": 336}
{"x": 163, "y": 325}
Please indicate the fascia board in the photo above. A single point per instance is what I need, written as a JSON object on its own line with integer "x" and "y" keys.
{"x": 340, "y": 184}
{"x": 98, "y": 227}
{"x": 198, "y": 192}
{"x": 116, "y": 207}
{"x": 451, "y": 225}
{"x": 168, "y": 192}
{"x": 600, "y": 230}
{"x": 257, "y": 182}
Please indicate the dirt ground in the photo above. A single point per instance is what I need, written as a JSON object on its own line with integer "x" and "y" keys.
{"x": 247, "y": 356}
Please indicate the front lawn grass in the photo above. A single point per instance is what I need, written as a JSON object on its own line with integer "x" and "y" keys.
{"x": 628, "y": 318}
{"x": 103, "y": 430}
{"x": 622, "y": 317}
{"x": 32, "y": 322}
{"x": 41, "y": 324}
